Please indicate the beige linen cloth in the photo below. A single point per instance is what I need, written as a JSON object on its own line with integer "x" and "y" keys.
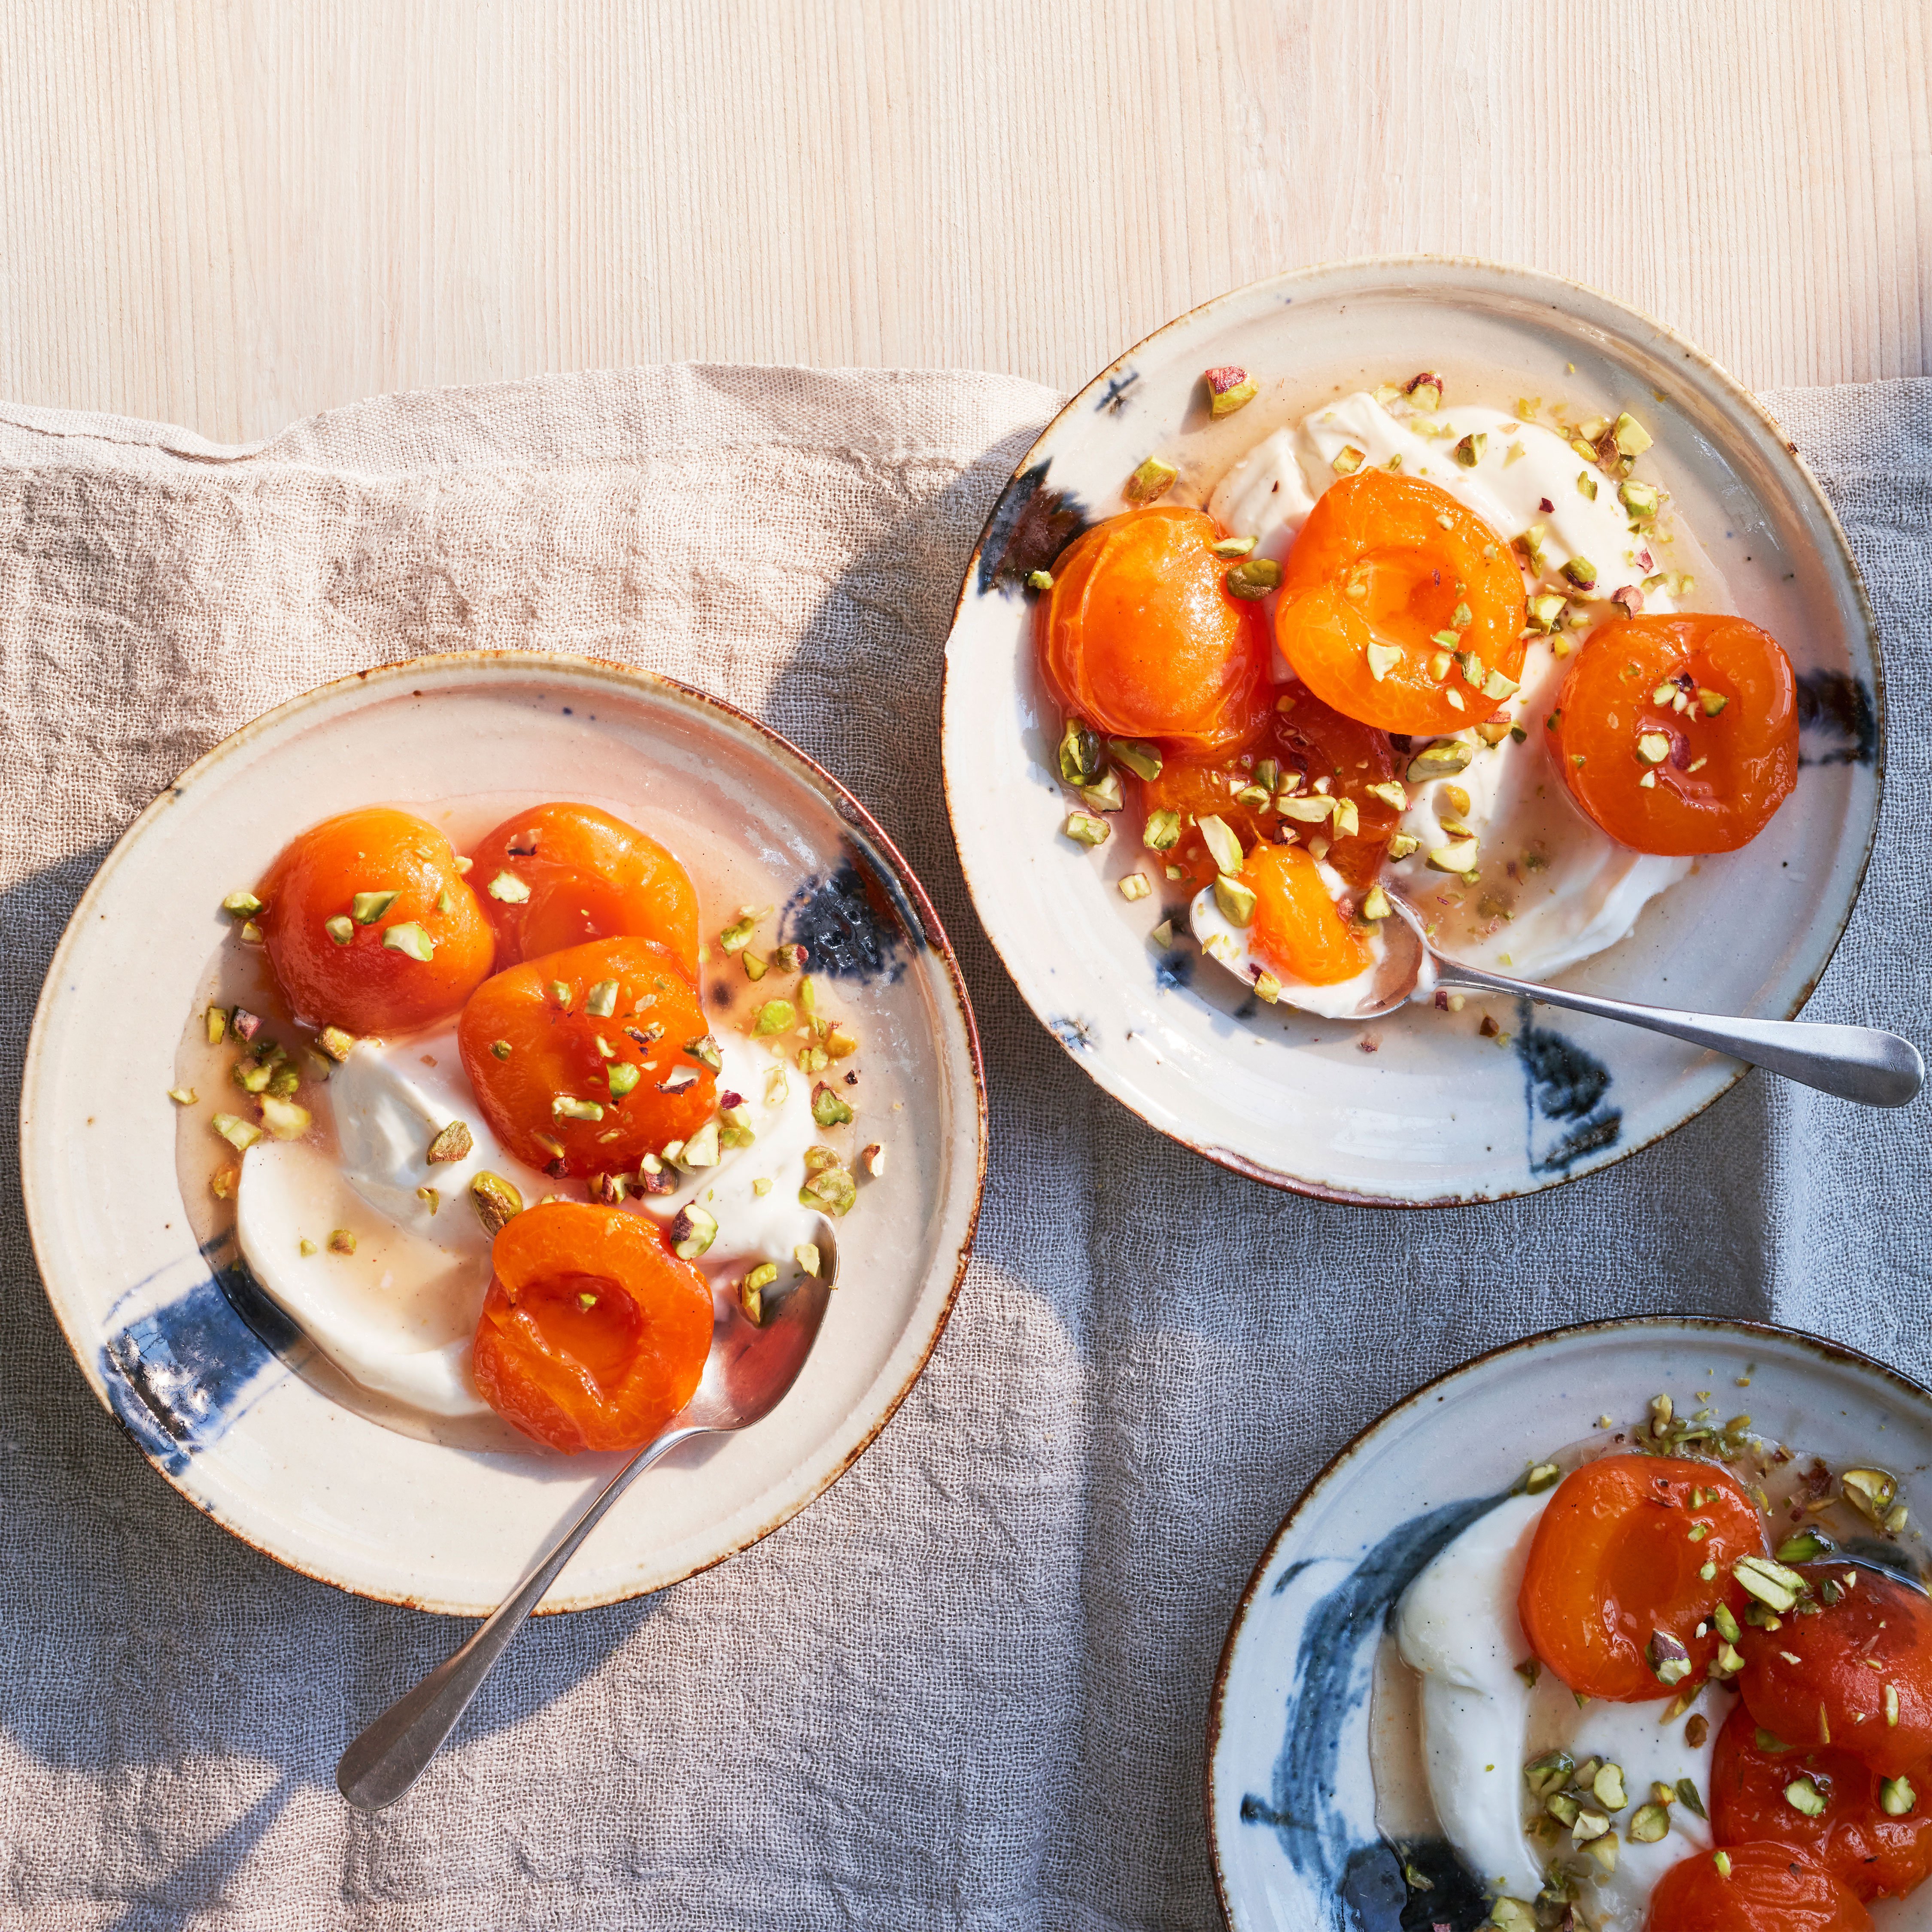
{"x": 966, "y": 1688}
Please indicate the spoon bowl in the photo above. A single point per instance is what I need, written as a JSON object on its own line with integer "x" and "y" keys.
{"x": 1861, "y": 1064}
{"x": 751, "y": 1368}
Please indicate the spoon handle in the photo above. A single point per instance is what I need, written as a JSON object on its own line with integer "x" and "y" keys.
{"x": 395, "y": 1750}
{"x": 1861, "y": 1063}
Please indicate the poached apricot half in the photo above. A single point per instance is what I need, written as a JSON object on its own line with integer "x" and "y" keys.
{"x": 1616, "y": 1573}
{"x": 1761, "y": 1886}
{"x": 1298, "y": 929}
{"x": 593, "y": 1334}
{"x": 1679, "y": 734}
{"x": 368, "y": 924}
{"x": 560, "y": 875}
{"x": 1141, "y": 636}
{"x": 1400, "y": 608}
{"x": 586, "y": 1060}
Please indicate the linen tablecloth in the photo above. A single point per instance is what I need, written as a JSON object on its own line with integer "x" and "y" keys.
{"x": 966, "y": 1688}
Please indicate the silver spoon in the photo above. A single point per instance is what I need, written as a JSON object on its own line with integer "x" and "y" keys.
{"x": 1856, "y": 1062}
{"x": 747, "y": 1374}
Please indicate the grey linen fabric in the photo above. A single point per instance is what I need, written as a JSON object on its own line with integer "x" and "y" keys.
{"x": 966, "y": 1688}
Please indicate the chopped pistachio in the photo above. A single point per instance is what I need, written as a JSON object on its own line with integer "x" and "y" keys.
{"x": 807, "y": 1257}
{"x": 1383, "y": 658}
{"x": 1582, "y": 572}
{"x": 702, "y": 1149}
{"x": 1391, "y": 794}
{"x": 1459, "y": 856}
{"x": 1546, "y": 609}
{"x": 1229, "y": 389}
{"x": 1686, "y": 1792}
{"x": 1803, "y": 1547}
{"x": 791, "y": 957}
{"x": 1107, "y": 795}
{"x": 370, "y": 906}
{"x": 1224, "y": 846}
{"x": 1550, "y": 1772}
{"x": 335, "y": 1042}
{"x": 1375, "y": 905}
{"x": 1870, "y": 1491}
{"x": 215, "y": 1020}
{"x": 832, "y": 1190}
{"x": 737, "y": 936}
{"x": 431, "y": 1198}
{"x": 496, "y": 1200}
{"x": 454, "y": 1143}
{"x": 1424, "y": 390}
{"x": 1268, "y": 987}
{"x": 283, "y": 1118}
{"x": 1608, "y": 1785}
{"x": 1653, "y": 747}
{"x": 341, "y": 928}
{"x": 1237, "y": 901}
{"x": 1712, "y": 702}
{"x": 1669, "y": 1660}
{"x": 774, "y": 1016}
{"x": 1234, "y": 546}
{"x": 838, "y": 1040}
{"x": 1140, "y": 757}
{"x": 1586, "y": 485}
{"x": 240, "y": 1134}
{"x": 1039, "y": 579}
{"x": 1439, "y": 662}
{"x": 568, "y": 1107}
{"x": 1469, "y": 451}
{"x": 341, "y": 1241}
{"x": 1442, "y": 759}
{"x": 756, "y": 964}
{"x": 1802, "y": 1795}
{"x": 1084, "y": 829}
{"x": 1151, "y": 480}
{"x": 1891, "y": 1705}
{"x": 1726, "y": 1620}
{"x": 1313, "y": 809}
{"x": 693, "y": 1232}
{"x": 1770, "y": 1582}
{"x": 1630, "y": 436}
{"x": 1641, "y": 500}
{"x": 704, "y": 1050}
{"x": 1542, "y": 1476}
{"x": 305, "y": 1247}
{"x": 1403, "y": 845}
{"x": 242, "y": 905}
{"x": 1346, "y": 818}
{"x": 1347, "y": 459}
{"x": 1252, "y": 579}
{"x": 1134, "y": 887}
{"x": 1254, "y": 795}
{"x": 410, "y": 939}
{"x": 1079, "y": 755}
{"x": 1163, "y": 935}
{"x": 872, "y": 1159}
{"x": 1161, "y": 832}
{"x": 827, "y": 1109}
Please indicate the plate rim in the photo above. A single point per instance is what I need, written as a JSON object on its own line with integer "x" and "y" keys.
{"x": 1841, "y": 1353}
{"x": 1737, "y": 394}
{"x": 490, "y": 662}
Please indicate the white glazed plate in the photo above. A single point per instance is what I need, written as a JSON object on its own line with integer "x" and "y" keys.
{"x": 1433, "y": 1113}
{"x": 199, "y": 1369}
{"x": 1291, "y": 1810}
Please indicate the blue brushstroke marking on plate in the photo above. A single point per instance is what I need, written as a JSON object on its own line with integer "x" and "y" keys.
{"x": 180, "y": 1375}
{"x": 1174, "y": 968}
{"x": 1562, "y": 1085}
{"x": 1030, "y": 526}
{"x": 1080, "y": 1035}
{"x": 1360, "y": 1875}
{"x": 1115, "y": 400}
{"x": 854, "y": 924}
{"x": 1838, "y": 721}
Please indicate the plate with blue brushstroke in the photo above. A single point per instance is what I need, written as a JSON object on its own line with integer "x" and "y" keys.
{"x": 1419, "y": 1108}
{"x": 1298, "y": 1839}
{"x": 220, "y": 1391}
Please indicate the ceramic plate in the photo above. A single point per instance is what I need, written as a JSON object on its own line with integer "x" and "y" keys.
{"x": 1291, "y": 1812}
{"x": 216, "y": 1389}
{"x": 1435, "y": 1114}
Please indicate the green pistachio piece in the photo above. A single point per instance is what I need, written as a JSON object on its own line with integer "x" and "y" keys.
{"x": 508, "y": 888}
{"x": 1347, "y": 460}
{"x": 431, "y": 1198}
{"x": 1582, "y": 572}
{"x": 1630, "y": 436}
{"x": 1469, "y": 451}
{"x": 737, "y": 936}
{"x": 1224, "y": 846}
{"x": 215, "y": 1020}
{"x": 1228, "y": 388}
{"x": 623, "y": 1078}
{"x": 693, "y": 1232}
{"x": 370, "y": 906}
{"x": 701, "y": 1150}
{"x": 1161, "y": 832}
{"x": 832, "y": 1190}
{"x": 1237, "y": 901}
{"x": 242, "y": 905}
{"x": 341, "y": 1241}
{"x": 1802, "y": 1795}
{"x": 600, "y": 1002}
{"x": 283, "y": 1118}
{"x": 1106, "y": 795}
{"x": 334, "y": 1042}
{"x": 1084, "y": 829}
{"x": 1151, "y": 480}
{"x": 1251, "y": 580}
{"x": 1234, "y": 546}
{"x": 1383, "y": 658}
{"x": 496, "y": 1200}
{"x": 1896, "y": 1797}
{"x": 454, "y": 1143}
{"x": 1442, "y": 759}
{"x": 240, "y": 1134}
{"x": 1546, "y": 609}
{"x": 1080, "y": 763}
{"x": 1140, "y": 757}
{"x": 1774, "y": 1586}
{"x": 410, "y": 939}
{"x": 827, "y": 1109}
{"x": 1643, "y": 500}
{"x": 182, "y": 1096}
{"x": 568, "y": 1107}
{"x": 1649, "y": 1824}
{"x": 1870, "y": 1491}
{"x": 1039, "y": 579}
{"x": 341, "y": 928}
{"x": 1805, "y": 1546}
{"x": 1458, "y": 855}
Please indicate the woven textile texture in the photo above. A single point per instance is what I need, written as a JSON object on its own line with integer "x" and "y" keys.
{"x": 966, "y": 1688}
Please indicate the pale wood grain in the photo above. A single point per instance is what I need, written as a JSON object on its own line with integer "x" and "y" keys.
{"x": 229, "y": 213}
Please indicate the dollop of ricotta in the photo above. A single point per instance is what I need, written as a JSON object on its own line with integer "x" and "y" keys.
{"x": 1482, "y": 1722}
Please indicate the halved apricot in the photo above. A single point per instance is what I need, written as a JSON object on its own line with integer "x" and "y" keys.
{"x": 1857, "y": 1675}
{"x": 1678, "y": 734}
{"x": 1826, "y": 1800}
{"x": 559, "y": 875}
{"x": 369, "y": 925}
{"x": 1399, "y": 607}
{"x": 1615, "y": 1598}
{"x": 586, "y": 1060}
{"x": 593, "y": 1334}
{"x": 1763, "y": 1886}
{"x": 1298, "y": 929}
{"x": 1141, "y": 636}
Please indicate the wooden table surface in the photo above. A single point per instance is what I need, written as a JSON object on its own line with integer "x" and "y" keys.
{"x": 229, "y": 213}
